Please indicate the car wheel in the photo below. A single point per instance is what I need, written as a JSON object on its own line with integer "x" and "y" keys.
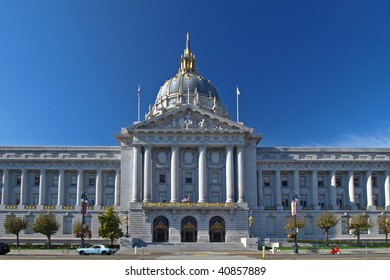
{"x": 81, "y": 253}
{"x": 104, "y": 253}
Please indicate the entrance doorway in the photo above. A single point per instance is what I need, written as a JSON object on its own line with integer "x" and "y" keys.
{"x": 189, "y": 230}
{"x": 217, "y": 229}
{"x": 160, "y": 229}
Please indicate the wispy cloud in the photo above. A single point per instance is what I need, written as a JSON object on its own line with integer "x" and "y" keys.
{"x": 377, "y": 139}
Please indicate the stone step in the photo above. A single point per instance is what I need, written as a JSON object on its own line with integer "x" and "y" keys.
{"x": 192, "y": 246}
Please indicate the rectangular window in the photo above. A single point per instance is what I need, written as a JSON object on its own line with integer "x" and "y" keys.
{"x": 285, "y": 201}
{"x": 188, "y": 177}
{"x": 320, "y": 180}
{"x": 17, "y": 198}
{"x": 302, "y": 181}
{"x": 91, "y": 180}
{"x": 357, "y": 200}
{"x": 267, "y": 181}
{"x": 373, "y": 178}
{"x": 109, "y": 199}
{"x": 110, "y": 181}
{"x": 267, "y": 200}
{"x": 338, "y": 181}
{"x": 54, "y": 199}
{"x": 35, "y": 198}
{"x": 303, "y": 200}
{"x": 375, "y": 199}
{"x": 162, "y": 178}
{"x": 73, "y": 180}
{"x": 91, "y": 199}
{"x": 55, "y": 180}
{"x": 340, "y": 200}
{"x": 321, "y": 200}
{"x": 18, "y": 180}
{"x": 356, "y": 181}
{"x": 72, "y": 199}
{"x": 284, "y": 181}
{"x": 215, "y": 177}
{"x": 36, "y": 180}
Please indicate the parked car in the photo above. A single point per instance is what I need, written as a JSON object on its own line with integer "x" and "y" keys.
{"x": 96, "y": 250}
{"x": 4, "y": 248}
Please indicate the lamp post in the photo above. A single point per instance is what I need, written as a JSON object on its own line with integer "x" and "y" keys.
{"x": 294, "y": 199}
{"x": 126, "y": 220}
{"x": 84, "y": 202}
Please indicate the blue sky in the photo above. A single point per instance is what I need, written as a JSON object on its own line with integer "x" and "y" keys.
{"x": 310, "y": 73}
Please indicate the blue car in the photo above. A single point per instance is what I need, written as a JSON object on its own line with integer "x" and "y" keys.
{"x": 96, "y": 250}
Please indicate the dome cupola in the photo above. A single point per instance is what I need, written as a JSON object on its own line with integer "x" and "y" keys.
{"x": 187, "y": 88}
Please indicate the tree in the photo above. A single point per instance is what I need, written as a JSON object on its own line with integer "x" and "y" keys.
{"x": 384, "y": 224}
{"x": 326, "y": 221}
{"x": 110, "y": 225}
{"x": 358, "y": 224}
{"x": 77, "y": 229}
{"x": 289, "y": 226}
{"x": 14, "y": 225}
{"x": 46, "y": 224}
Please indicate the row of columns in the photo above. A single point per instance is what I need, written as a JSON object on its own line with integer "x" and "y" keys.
{"x": 174, "y": 169}
{"x": 61, "y": 187}
{"x": 333, "y": 187}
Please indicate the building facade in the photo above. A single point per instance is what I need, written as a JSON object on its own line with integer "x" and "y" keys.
{"x": 188, "y": 173}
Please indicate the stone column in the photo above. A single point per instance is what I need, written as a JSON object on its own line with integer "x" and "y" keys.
{"x": 174, "y": 172}
{"x": 98, "y": 188}
{"x": 61, "y": 183}
{"x": 42, "y": 188}
{"x": 240, "y": 174}
{"x": 387, "y": 190}
{"x": 278, "y": 190}
{"x": 23, "y": 188}
{"x": 80, "y": 186}
{"x": 314, "y": 183}
{"x": 260, "y": 184}
{"x": 117, "y": 188}
{"x": 351, "y": 190}
{"x": 229, "y": 175}
{"x": 5, "y": 192}
{"x": 136, "y": 173}
{"x": 148, "y": 174}
{"x": 333, "y": 193}
{"x": 202, "y": 174}
{"x": 370, "y": 202}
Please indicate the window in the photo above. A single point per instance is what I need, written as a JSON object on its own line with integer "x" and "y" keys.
{"x": 215, "y": 177}
{"x": 303, "y": 200}
{"x": 162, "y": 178}
{"x": 55, "y": 180}
{"x": 375, "y": 199}
{"x": 373, "y": 178}
{"x": 35, "y": 198}
{"x": 73, "y": 180}
{"x": 109, "y": 199}
{"x": 338, "y": 181}
{"x": 36, "y": 180}
{"x": 54, "y": 199}
{"x": 18, "y": 180}
{"x": 356, "y": 181}
{"x": 302, "y": 181}
{"x": 321, "y": 200}
{"x": 267, "y": 181}
{"x": 72, "y": 199}
{"x": 188, "y": 177}
{"x": 91, "y": 180}
{"x": 17, "y": 198}
{"x": 285, "y": 202}
{"x": 284, "y": 181}
{"x": 110, "y": 181}
{"x": 320, "y": 181}
{"x": 357, "y": 200}
{"x": 91, "y": 199}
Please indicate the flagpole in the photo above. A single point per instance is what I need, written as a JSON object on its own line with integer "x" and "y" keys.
{"x": 238, "y": 113}
{"x": 139, "y": 101}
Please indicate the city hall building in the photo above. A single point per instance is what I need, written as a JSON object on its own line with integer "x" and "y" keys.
{"x": 189, "y": 173}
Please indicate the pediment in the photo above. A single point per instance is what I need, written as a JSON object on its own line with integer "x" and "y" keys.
{"x": 189, "y": 119}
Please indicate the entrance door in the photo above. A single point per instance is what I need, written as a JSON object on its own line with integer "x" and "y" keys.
{"x": 217, "y": 229}
{"x": 189, "y": 230}
{"x": 160, "y": 229}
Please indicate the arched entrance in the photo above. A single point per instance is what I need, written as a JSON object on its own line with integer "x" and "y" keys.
{"x": 217, "y": 229}
{"x": 189, "y": 230}
{"x": 160, "y": 229}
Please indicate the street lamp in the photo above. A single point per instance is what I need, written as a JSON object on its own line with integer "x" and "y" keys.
{"x": 294, "y": 199}
{"x": 126, "y": 220}
{"x": 84, "y": 203}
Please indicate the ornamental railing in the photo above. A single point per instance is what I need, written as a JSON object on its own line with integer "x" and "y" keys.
{"x": 151, "y": 205}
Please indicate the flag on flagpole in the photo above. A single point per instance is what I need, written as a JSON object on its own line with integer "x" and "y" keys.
{"x": 139, "y": 90}
{"x": 238, "y": 91}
